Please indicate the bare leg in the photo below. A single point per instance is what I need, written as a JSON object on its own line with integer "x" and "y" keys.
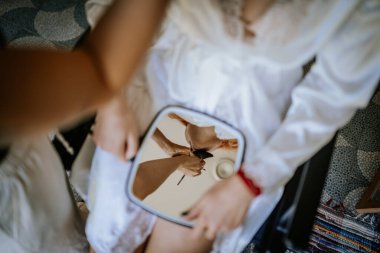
{"x": 168, "y": 237}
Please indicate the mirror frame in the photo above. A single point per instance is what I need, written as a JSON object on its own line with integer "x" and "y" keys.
{"x": 151, "y": 128}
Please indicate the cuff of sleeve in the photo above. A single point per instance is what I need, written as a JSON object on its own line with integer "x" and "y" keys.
{"x": 268, "y": 170}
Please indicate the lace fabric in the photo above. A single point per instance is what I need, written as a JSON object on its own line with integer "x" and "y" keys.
{"x": 231, "y": 10}
{"x": 123, "y": 227}
{"x": 278, "y": 26}
{"x": 283, "y": 22}
{"x": 288, "y": 34}
{"x": 137, "y": 232}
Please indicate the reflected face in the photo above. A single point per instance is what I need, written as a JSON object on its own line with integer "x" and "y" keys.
{"x": 202, "y": 137}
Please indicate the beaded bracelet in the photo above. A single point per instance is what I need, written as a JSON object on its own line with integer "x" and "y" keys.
{"x": 254, "y": 189}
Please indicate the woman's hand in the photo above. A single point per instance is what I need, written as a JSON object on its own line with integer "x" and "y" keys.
{"x": 115, "y": 129}
{"x": 190, "y": 165}
{"x": 222, "y": 208}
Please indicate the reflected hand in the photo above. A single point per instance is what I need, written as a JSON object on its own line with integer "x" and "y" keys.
{"x": 190, "y": 165}
{"x": 115, "y": 129}
{"x": 222, "y": 208}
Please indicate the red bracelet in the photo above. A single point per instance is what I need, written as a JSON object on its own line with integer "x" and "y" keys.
{"x": 253, "y": 188}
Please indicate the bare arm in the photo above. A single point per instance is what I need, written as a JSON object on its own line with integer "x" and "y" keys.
{"x": 121, "y": 38}
{"x": 116, "y": 129}
{"x": 151, "y": 174}
{"x": 171, "y": 148}
{"x": 176, "y": 117}
{"x": 40, "y": 89}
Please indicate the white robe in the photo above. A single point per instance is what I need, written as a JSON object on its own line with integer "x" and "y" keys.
{"x": 257, "y": 86}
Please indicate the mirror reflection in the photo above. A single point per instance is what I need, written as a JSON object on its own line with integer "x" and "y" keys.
{"x": 181, "y": 157}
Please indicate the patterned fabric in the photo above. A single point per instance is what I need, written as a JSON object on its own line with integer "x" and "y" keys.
{"x": 42, "y": 23}
{"x": 356, "y": 160}
{"x": 336, "y": 231}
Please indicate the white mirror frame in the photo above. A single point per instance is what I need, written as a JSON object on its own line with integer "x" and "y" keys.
{"x": 135, "y": 163}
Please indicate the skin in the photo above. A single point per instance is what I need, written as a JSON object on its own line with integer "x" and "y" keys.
{"x": 170, "y": 148}
{"x": 254, "y": 9}
{"x": 41, "y": 89}
{"x": 210, "y": 213}
{"x": 199, "y": 239}
{"x": 151, "y": 174}
{"x": 203, "y": 137}
{"x": 208, "y": 220}
{"x": 117, "y": 119}
{"x": 251, "y": 12}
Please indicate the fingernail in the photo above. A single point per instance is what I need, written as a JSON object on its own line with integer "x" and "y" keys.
{"x": 129, "y": 155}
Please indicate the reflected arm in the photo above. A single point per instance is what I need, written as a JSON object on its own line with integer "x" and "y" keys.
{"x": 176, "y": 117}
{"x": 151, "y": 174}
{"x": 171, "y": 148}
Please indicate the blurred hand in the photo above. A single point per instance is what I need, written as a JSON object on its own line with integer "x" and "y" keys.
{"x": 222, "y": 208}
{"x": 115, "y": 129}
{"x": 190, "y": 165}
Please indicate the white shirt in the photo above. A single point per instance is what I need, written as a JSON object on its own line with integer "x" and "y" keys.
{"x": 257, "y": 85}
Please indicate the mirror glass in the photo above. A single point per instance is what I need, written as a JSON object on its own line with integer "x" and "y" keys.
{"x": 183, "y": 154}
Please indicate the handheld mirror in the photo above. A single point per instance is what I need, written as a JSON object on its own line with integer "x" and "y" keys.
{"x": 182, "y": 155}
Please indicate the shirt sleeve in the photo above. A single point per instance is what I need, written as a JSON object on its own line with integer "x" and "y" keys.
{"x": 342, "y": 80}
